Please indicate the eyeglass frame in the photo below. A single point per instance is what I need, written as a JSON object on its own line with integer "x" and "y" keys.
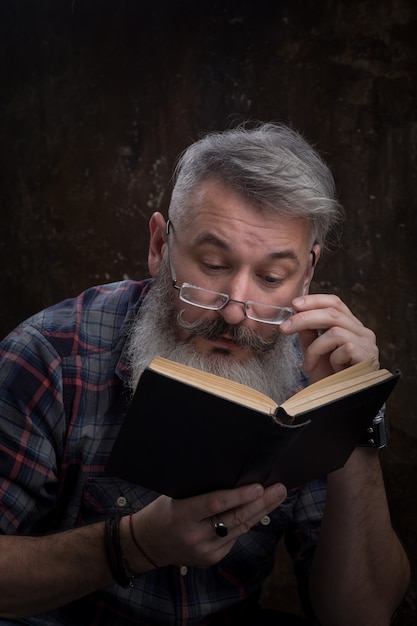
{"x": 246, "y": 304}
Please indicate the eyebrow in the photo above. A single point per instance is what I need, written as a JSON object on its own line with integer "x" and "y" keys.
{"x": 214, "y": 240}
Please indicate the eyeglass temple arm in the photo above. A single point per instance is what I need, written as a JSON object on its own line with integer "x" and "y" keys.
{"x": 171, "y": 267}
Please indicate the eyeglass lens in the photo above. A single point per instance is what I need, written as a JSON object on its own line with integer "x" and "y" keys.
{"x": 215, "y": 301}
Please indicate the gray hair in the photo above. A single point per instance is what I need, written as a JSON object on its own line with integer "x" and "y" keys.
{"x": 270, "y": 164}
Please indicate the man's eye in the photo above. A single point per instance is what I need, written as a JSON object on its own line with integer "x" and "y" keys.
{"x": 213, "y": 267}
{"x": 273, "y": 280}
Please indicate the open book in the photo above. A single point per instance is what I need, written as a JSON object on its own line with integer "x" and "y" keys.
{"x": 189, "y": 432}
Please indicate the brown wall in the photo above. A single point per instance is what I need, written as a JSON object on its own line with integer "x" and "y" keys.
{"x": 98, "y": 98}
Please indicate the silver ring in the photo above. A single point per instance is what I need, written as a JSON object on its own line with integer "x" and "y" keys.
{"x": 219, "y": 528}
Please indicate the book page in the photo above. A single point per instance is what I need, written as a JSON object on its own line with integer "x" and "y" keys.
{"x": 222, "y": 387}
{"x": 323, "y": 395}
{"x": 323, "y": 391}
{"x": 352, "y": 372}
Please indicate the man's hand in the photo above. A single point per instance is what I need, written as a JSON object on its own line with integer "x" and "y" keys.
{"x": 181, "y": 532}
{"x": 331, "y": 337}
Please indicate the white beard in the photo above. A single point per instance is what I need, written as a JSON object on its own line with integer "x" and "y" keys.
{"x": 273, "y": 371}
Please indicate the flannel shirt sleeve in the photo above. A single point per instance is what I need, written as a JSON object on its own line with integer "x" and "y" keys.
{"x": 32, "y": 428}
{"x": 302, "y": 534}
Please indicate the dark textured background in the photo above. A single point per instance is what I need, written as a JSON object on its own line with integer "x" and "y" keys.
{"x": 98, "y": 97}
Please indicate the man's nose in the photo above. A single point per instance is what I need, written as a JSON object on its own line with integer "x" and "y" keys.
{"x": 234, "y": 311}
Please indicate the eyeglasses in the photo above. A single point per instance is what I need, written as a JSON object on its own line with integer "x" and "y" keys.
{"x": 216, "y": 301}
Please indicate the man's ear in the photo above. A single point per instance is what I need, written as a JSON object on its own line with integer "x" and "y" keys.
{"x": 157, "y": 243}
{"x": 315, "y": 255}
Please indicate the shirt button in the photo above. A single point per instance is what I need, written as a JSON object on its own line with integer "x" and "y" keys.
{"x": 184, "y": 570}
{"x": 121, "y": 501}
{"x": 266, "y": 520}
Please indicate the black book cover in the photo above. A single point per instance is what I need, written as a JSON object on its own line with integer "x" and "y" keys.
{"x": 183, "y": 441}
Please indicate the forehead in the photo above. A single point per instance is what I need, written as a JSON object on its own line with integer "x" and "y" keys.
{"x": 223, "y": 217}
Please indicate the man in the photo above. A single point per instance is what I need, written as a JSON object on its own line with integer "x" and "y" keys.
{"x": 249, "y": 216}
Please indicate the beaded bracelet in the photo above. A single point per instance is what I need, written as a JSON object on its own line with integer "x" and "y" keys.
{"x": 117, "y": 561}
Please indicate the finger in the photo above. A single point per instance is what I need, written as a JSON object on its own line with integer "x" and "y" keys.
{"x": 324, "y": 345}
{"x": 320, "y": 301}
{"x": 217, "y": 502}
{"x": 242, "y": 518}
{"x": 321, "y": 320}
{"x": 254, "y": 512}
{"x": 331, "y": 337}
{"x": 351, "y": 353}
{"x": 316, "y": 363}
{"x": 344, "y": 348}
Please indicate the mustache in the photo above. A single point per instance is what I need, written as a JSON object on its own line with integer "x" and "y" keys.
{"x": 241, "y": 335}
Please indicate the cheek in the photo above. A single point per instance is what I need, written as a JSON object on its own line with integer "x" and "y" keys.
{"x": 300, "y": 288}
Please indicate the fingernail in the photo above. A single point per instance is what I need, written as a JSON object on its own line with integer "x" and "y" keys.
{"x": 286, "y": 325}
{"x": 258, "y": 491}
{"x": 281, "y": 492}
{"x": 298, "y": 301}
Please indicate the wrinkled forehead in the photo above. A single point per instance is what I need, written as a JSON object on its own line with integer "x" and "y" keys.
{"x": 224, "y": 219}
{"x": 216, "y": 212}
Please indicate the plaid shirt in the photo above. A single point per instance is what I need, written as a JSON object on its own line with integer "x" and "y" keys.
{"x": 63, "y": 397}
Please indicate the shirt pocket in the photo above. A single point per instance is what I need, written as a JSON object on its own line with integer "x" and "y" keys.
{"x": 112, "y": 496}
